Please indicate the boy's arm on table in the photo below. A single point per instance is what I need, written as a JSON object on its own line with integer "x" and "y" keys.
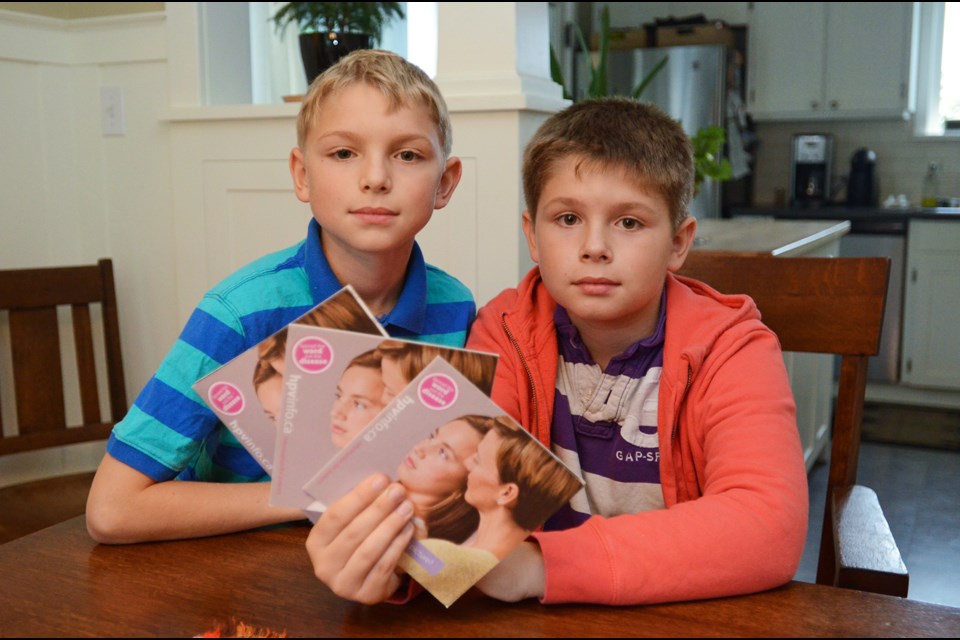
{"x": 127, "y": 506}
{"x": 357, "y": 542}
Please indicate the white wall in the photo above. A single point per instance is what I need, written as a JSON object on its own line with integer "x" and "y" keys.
{"x": 70, "y": 195}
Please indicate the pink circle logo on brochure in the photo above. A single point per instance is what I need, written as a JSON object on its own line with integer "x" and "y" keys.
{"x": 437, "y": 391}
{"x": 226, "y": 398}
{"x": 312, "y": 354}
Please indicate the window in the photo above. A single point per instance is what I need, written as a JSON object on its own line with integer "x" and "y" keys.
{"x": 938, "y": 75}
{"x": 244, "y": 60}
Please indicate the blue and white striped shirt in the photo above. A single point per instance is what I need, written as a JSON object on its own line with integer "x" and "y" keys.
{"x": 171, "y": 433}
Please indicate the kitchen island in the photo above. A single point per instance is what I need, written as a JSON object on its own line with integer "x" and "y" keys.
{"x": 811, "y": 375}
{"x": 811, "y": 238}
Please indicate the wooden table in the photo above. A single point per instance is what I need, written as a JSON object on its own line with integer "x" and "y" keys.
{"x": 58, "y": 582}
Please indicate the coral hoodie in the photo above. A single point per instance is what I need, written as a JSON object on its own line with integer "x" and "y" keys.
{"x": 731, "y": 465}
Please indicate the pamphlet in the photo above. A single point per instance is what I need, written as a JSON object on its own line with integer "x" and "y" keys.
{"x": 478, "y": 482}
{"x": 245, "y": 392}
{"x": 335, "y": 385}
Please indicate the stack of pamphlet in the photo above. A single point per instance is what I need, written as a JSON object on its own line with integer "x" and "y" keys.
{"x": 331, "y": 399}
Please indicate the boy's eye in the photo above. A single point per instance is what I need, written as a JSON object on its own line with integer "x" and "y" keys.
{"x": 343, "y": 154}
{"x": 568, "y": 219}
{"x": 630, "y": 224}
{"x": 408, "y": 155}
{"x": 360, "y": 404}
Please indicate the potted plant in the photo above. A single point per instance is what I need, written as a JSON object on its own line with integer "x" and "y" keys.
{"x": 330, "y": 30}
{"x": 708, "y": 142}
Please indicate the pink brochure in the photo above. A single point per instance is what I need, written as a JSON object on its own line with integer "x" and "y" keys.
{"x": 245, "y": 392}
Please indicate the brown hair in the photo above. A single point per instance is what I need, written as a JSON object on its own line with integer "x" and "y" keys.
{"x": 340, "y": 311}
{"x": 636, "y": 137}
{"x": 413, "y": 357}
{"x": 452, "y": 518}
{"x": 403, "y": 84}
{"x": 263, "y": 371}
{"x": 544, "y": 483}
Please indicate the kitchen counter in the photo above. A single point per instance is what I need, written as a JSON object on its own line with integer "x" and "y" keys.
{"x": 765, "y": 235}
{"x": 879, "y": 219}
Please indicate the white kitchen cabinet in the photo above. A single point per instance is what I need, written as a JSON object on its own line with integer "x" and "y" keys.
{"x": 931, "y": 339}
{"x": 826, "y": 60}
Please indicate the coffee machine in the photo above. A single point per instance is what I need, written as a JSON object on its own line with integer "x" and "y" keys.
{"x": 810, "y": 169}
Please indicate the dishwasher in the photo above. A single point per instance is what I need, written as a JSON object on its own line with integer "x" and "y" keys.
{"x": 876, "y": 237}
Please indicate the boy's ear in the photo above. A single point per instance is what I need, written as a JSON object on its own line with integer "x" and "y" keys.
{"x": 449, "y": 180}
{"x": 528, "y": 231}
{"x": 682, "y": 241}
{"x": 298, "y": 171}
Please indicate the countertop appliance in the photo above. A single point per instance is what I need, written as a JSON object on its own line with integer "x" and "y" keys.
{"x": 862, "y": 189}
{"x": 810, "y": 169}
{"x": 691, "y": 88}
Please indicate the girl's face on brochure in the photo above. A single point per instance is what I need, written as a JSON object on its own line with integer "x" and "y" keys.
{"x": 356, "y": 403}
{"x": 435, "y": 467}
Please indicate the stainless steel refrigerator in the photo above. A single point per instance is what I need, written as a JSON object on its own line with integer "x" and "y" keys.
{"x": 691, "y": 88}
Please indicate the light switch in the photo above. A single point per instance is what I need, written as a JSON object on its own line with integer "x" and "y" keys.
{"x": 111, "y": 111}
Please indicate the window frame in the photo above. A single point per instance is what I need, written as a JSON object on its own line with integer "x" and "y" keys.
{"x": 927, "y": 54}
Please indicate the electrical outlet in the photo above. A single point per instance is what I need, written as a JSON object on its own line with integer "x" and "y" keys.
{"x": 111, "y": 111}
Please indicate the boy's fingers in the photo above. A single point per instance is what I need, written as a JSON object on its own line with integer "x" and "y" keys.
{"x": 360, "y": 567}
{"x": 345, "y": 510}
{"x": 382, "y": 580}
{"x": 350, "y": 554}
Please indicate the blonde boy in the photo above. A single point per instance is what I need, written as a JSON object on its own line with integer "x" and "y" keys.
{"x": 671, "y": 399}
{"x": 373, "y": 161}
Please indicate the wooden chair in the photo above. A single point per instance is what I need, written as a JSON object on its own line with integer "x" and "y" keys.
{"x": 833, "y": 306}
{"x": 31, "y": 298}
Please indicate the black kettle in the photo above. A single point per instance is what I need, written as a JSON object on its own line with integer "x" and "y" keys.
{"x": 862, "y": 188}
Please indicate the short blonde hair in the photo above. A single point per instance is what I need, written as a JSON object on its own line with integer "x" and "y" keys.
{"x": 403, "y": 83}
{"x": 620, "y": 133}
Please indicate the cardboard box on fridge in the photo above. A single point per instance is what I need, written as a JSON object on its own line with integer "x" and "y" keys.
{"x": 622, "y": 39}
{"x": 713, "y": 33}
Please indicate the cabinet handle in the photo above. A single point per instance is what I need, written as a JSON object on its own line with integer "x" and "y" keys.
{"x": 834, "y": 104}
{"x": 913, "y": 275}
{"x": 909, "y": 365}
{"x": 814, "y": 105}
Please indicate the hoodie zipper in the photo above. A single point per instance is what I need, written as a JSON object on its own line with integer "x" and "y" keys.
{"x": 674, "y": 437}
{"x": 526, "y": 368}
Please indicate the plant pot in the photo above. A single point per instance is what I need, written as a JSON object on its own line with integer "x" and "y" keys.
{"x": 322, "y": 50}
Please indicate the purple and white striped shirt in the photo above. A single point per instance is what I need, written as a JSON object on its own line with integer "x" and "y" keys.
{"x": 605, "y": 425}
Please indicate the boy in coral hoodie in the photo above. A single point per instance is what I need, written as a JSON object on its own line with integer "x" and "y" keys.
{"x": 670, "y": 398}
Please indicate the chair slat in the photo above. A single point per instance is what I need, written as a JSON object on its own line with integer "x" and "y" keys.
{"x": 835, "y": 298}
{"x": 33, "y": 288}
{"x": 38, "y": 375}
{"x": 111, "y": 337}
{"x": 86, "y": 366}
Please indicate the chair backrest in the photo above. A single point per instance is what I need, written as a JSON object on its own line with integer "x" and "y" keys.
{"x": 31, "y": 298}
{"x": 815, "y": 305}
